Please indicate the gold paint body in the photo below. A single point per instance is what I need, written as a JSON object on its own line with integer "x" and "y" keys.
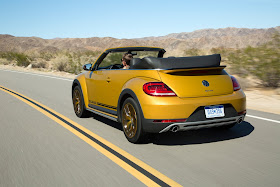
{"x": 105, "y": 86}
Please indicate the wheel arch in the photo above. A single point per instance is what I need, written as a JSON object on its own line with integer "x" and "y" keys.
{"x": 82, "y": 84}
{"x": 130, "y": 89}
{"x": 74, "y": 84}
{"x": 126, "y": 93}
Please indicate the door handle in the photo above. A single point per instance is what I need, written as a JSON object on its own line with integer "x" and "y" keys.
{"x": 108, "y": 79}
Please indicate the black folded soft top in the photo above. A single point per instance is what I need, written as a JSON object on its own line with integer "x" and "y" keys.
{"x": 176, "y": 62}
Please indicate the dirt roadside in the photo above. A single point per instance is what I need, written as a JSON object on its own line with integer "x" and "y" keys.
{"x": 266, "y": 100}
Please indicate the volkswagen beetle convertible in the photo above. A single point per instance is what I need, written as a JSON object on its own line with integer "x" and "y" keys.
{"x": 158, "y": 94}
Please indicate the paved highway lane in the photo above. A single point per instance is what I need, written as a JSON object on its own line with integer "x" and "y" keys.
{"x": 36, "y": 150}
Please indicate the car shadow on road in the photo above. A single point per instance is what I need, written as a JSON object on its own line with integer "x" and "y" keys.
{"x": 107, "y": 121}
{"x": 203, "y": 136}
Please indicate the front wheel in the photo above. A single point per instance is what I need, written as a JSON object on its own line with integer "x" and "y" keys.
{"x": 78, "y": 103}
{"x": 131, "y": 121}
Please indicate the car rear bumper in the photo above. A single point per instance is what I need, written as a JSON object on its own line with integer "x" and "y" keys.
{"x": 180, "y": 108}
{"x": 152, "y": 127}
{"x": 203, "y": 124}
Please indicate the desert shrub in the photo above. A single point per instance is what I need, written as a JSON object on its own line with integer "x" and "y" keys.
{"x": 236, "y": 62}
{"x": 61, "y": 63}
{"x": 71, "y": 62}
{"x": 61, "y": 60}
{"x": 262, "y": 62}
{"x": 75, "y": 66}
{"x": 142, "y": 54}
{"x": 221, "y": 50}
{"x": 4, "y": 61}
{"x": 47, "y": 56}
{"x": 39, "y": 63}
{"x": 112, "y": 58}
{"x": 193, "y": 52}
{"x": 21, "y": 59}
{"x": 224, "y": 52}
{"x": 94, "y": 54}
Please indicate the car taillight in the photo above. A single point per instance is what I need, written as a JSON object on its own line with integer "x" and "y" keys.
{"x": 157, "y": 89}
{"x": 235, "y": 84}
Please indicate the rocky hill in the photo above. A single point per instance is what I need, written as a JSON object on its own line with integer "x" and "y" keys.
{"x": 176, "y": 42}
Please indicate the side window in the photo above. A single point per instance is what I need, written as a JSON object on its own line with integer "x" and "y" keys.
{"x": 110, "y": 59}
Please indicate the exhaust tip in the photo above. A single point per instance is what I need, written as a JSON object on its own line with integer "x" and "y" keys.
{"x": 174, "y": 128}
{"x": 239, "y": 120}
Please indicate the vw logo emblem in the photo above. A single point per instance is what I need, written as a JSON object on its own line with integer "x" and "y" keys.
{"x": 205, "y": 83}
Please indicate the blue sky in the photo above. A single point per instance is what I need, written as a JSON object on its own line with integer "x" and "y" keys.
{"x": 131, "y": 19}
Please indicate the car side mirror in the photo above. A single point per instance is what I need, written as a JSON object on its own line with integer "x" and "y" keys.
{"x": 87, "y": 67}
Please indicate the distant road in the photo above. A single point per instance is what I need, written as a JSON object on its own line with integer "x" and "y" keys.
{"x": 36, "y": 150}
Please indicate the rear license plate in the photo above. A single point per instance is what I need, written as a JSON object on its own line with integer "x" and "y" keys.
{"x": 214, "y": 111}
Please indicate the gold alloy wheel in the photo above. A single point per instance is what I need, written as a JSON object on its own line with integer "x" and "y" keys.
{"x": 77, "y": 101}
{"x": 129, "y": 120}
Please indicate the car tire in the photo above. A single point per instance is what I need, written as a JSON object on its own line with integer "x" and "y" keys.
{"x": 132, "y": 122}
{"x": 78, "y": 103}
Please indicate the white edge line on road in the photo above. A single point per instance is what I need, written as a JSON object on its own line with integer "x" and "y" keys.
{"x": 52, "y": 77}
{"x": 266, "y": 119}
{"x": 251, "y": 116}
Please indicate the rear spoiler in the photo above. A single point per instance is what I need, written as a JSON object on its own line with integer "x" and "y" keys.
{"x": 192, "y": 69}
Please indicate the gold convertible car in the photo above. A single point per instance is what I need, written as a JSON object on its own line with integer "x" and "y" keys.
{"x": 158, "y": 94}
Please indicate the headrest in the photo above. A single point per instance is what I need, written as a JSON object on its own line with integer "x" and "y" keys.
{"x": 136, "y": 63}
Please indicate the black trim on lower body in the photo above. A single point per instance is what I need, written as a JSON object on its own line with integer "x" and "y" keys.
{"x": 108, "y": 106}
{"x": 199, "y": 113}
{"x": 103, "y": 109}
{"x": 123, "y": 158}
{"x": 157, "y": 127}
{"x": 151, "y": 127}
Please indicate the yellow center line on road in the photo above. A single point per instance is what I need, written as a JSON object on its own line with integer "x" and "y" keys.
{"x": 143, "y": 172}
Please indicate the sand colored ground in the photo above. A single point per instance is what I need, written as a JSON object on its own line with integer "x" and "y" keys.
{"x": 262, "y": 99}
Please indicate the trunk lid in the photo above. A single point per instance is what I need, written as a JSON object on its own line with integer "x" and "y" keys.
{"x": 198, "y": 82}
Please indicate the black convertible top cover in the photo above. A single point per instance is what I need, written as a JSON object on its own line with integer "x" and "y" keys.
{"x": 176, "y": 62}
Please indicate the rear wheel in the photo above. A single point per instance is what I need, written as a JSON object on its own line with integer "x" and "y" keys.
{"x": 78, "y": 103}
{"x": 131, "y": 121}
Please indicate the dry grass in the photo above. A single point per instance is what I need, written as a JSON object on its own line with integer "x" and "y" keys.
{"x": 4, "y": 61}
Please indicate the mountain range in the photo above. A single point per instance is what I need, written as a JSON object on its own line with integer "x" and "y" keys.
{"x": 176, "y": 42}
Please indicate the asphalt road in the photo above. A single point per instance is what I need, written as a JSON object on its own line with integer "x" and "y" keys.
{"x": 37, "y": 151}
